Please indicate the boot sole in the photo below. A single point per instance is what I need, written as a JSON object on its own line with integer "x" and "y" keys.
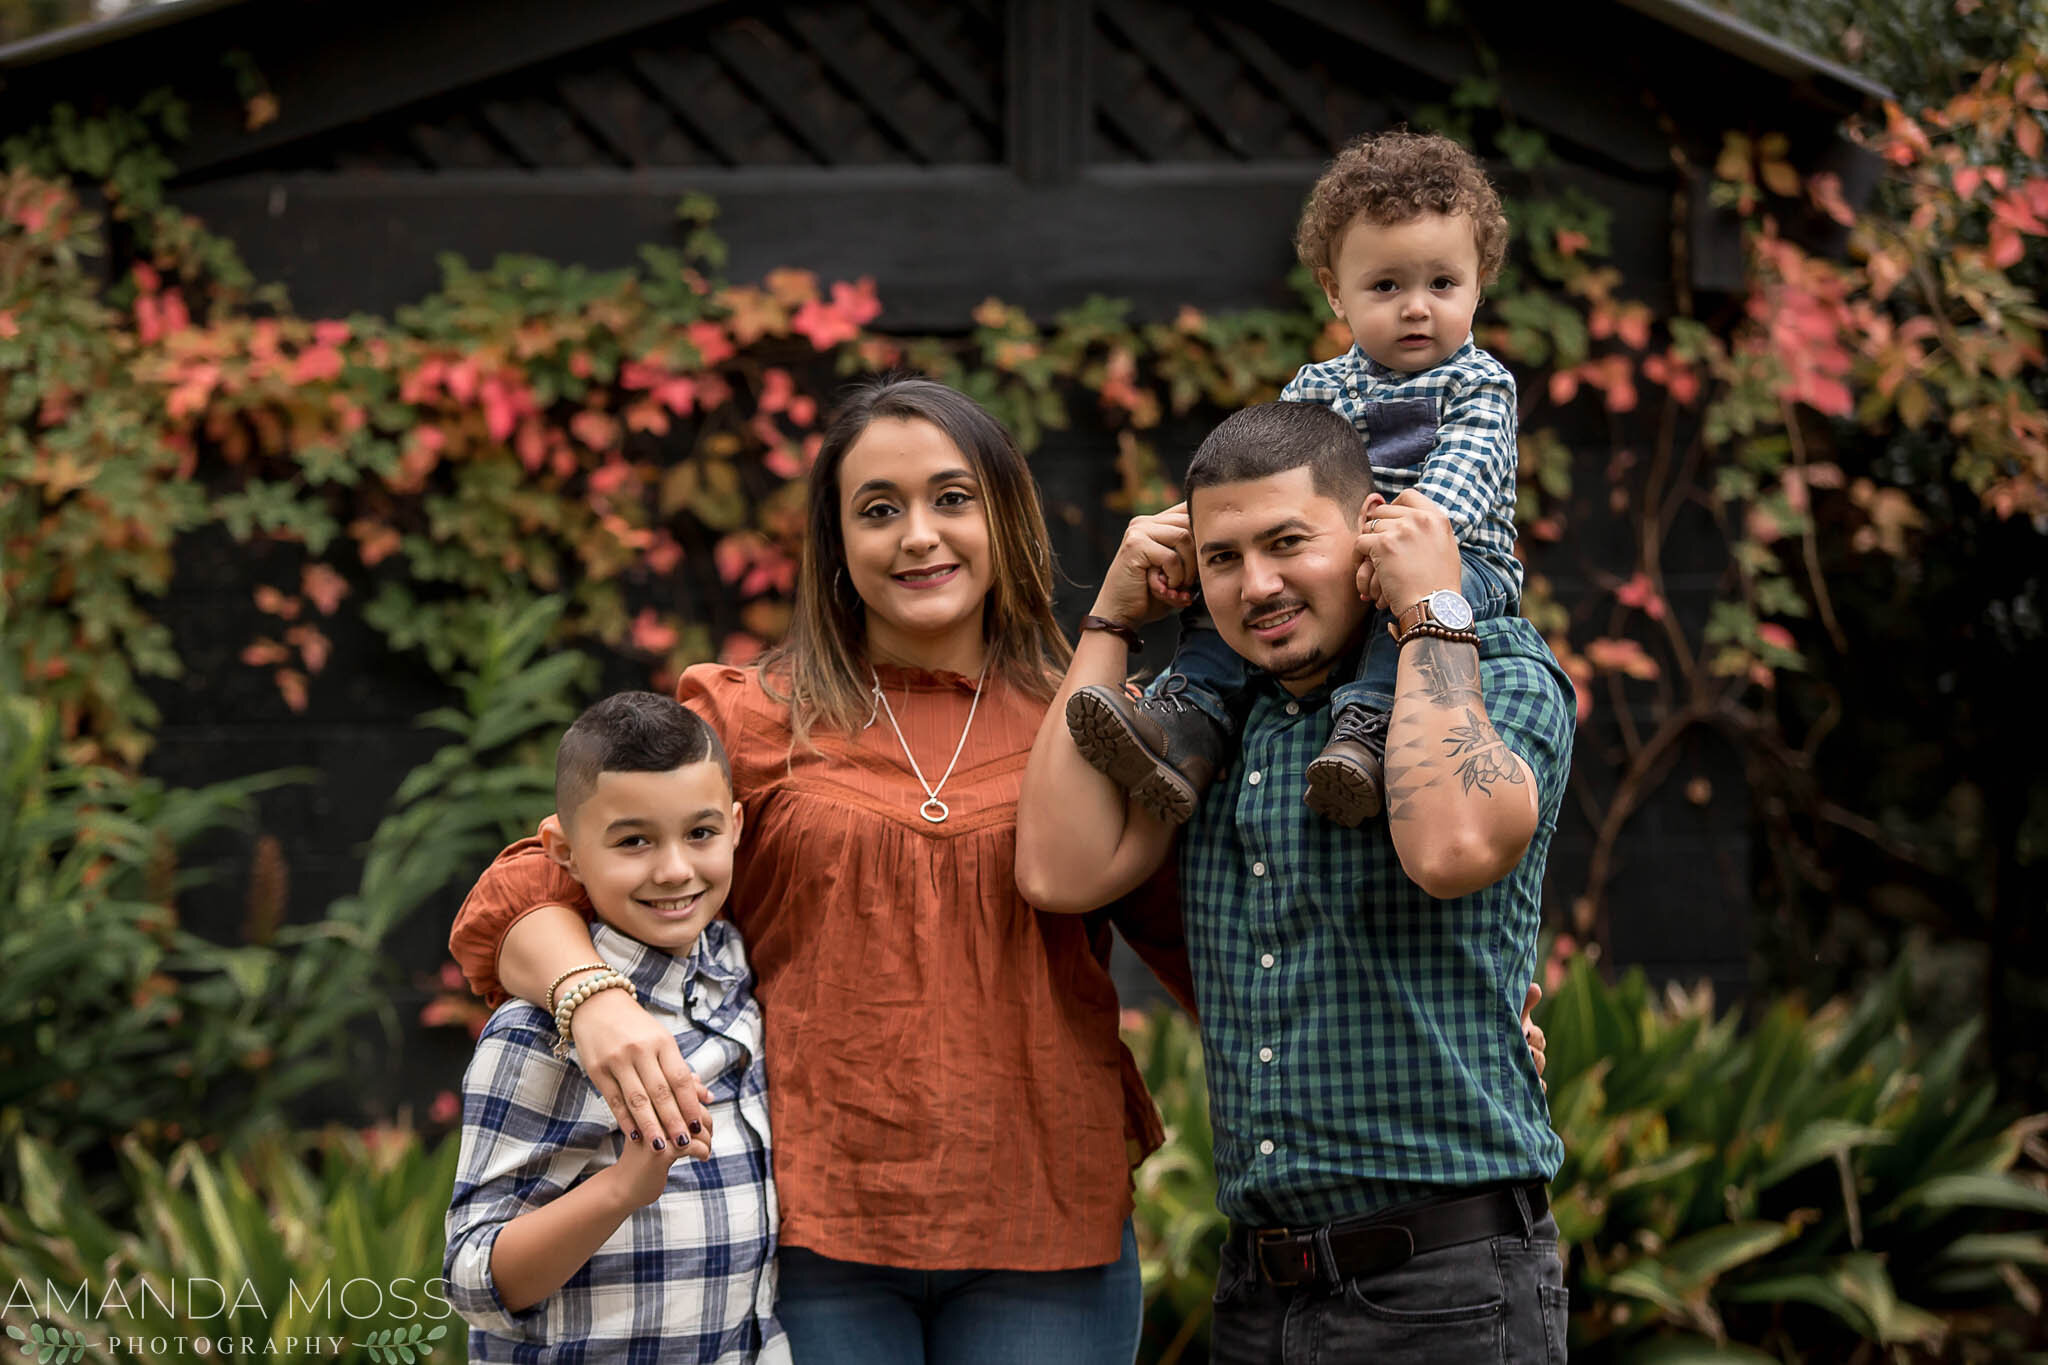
{"x": 1113, "y": 748}
{"x": 1341, "y": 792}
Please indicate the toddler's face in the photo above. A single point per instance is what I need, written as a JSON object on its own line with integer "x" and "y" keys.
{"x": 655, "y": 851}
{"x": 1407, "y": 290}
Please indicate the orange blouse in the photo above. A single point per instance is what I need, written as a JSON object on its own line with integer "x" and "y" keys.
{"x": 945, "y": 1079}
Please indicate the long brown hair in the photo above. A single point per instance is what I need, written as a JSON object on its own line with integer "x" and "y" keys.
{"x": 821, "y": 667}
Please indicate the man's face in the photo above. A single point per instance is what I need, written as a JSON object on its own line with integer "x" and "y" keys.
{"x": 1279, "y": 573}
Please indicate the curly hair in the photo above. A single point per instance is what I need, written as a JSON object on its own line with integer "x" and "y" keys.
{"x": 1390, "y": 178}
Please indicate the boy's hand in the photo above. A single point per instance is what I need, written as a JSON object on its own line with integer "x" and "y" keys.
{"x": 641, "y": 1173}
{"x": 635, "y": 1064}
{"x": 1153, "y": 570}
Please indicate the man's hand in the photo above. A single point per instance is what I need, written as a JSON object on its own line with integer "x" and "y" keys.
{"x": 1409, "y": 549}
{"x": 1153, "y": 571}
{"x": 635, "y": 1065}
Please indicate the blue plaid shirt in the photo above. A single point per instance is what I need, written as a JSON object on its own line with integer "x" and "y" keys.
{"x": 1448, "y": 430}
{"x": 1363, "y": 1042}
{"x": 690, "y": 1277}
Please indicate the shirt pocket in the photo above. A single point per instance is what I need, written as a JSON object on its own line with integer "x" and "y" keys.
{"x": 1399, "y": 432}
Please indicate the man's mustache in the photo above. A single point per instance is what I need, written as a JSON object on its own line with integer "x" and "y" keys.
{"x": 1277, "y": 607}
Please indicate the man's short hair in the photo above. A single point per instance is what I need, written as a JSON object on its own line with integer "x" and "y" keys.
{"x": 1272, "y": 438}
{"x": 631, "y": 732}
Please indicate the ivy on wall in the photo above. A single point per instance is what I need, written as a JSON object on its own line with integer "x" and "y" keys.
{"x": 536, "y": 428}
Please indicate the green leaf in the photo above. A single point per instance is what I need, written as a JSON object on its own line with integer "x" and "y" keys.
{"x": 1972, "y": 1191}
{"x": 1694, "y": 1351}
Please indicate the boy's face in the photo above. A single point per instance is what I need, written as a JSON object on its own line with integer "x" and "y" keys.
{"x": 1407, "y": 291}
{"x": 654, "y": 850}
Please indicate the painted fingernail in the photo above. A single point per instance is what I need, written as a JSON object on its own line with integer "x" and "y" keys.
{"x": 635, "y": 1135}
{"x": 660, "y": 1146}
{"x": 696, "y": 1127}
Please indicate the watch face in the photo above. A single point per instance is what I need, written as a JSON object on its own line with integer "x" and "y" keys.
{"x": 1450, "y": 610}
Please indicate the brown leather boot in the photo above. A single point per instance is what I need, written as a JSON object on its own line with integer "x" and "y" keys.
{"x": 1346, "y": 781}
{"x": 1163, "y": 749}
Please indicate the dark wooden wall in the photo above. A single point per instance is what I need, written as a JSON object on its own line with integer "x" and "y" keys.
{"x": 1038, "y": 150}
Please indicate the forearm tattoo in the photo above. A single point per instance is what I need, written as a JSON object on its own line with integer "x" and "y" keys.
{"x": 1472, "y": 750}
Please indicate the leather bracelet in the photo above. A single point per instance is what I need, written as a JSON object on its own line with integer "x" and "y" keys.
{"x": 1436, "y": 632}
{"x": 1116, "y": 628}
{"x": 556, "y": 985}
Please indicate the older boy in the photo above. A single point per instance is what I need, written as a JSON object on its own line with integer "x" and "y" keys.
{"x": 1402, "y": 230}
{"x": 566, "y": 1242}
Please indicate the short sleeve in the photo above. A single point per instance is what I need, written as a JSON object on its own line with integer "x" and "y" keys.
{"x": 719, "y": 693}
{"x": 519, "y": 881}
{"x": 1531, "y": 702}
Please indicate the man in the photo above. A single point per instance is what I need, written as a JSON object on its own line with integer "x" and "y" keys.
{"x": 1380, "y": 1133}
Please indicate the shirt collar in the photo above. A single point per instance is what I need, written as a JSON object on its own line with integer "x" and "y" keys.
{"x": 663, "y": 976}
{"x": 1378, "y": 371}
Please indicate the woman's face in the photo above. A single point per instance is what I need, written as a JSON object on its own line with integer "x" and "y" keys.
{"x": 915, "y": 524}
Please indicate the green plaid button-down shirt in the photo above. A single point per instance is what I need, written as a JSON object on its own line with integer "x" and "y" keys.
{"x": 1363, "y": 1041}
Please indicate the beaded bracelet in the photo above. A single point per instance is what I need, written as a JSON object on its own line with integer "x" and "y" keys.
{"x": 566, "y": 1011}
{"x": 556, "y": 984}
{"x": 1437, "y": 632}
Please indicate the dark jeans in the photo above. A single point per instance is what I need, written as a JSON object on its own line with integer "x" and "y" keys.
{"x": 1495, "y": 1302}
{"x": 1215, "y": 675}
{"x": 847, "y": 1313}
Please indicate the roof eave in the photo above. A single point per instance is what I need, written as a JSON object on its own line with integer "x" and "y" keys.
{"x": 1841, "y": 84}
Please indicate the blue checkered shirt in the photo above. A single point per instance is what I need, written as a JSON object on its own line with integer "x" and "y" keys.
{"x": 1448, "y": 430}
{"x": 1363, "y": 1041}
{"x": 690, "y": 1277}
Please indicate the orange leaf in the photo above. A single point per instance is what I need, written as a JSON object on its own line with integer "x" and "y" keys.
{"x": 323, "y": 587}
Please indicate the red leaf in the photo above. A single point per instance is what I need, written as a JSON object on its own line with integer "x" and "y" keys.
{"x": 292, "y": 684}
{"x": 274, "y": 603}
{"x": 312, "y": 644}
{"x": 595, "y": 429}
{"x": 263, "y": 653}
{"x": 315, "y": 363}
{"x": 777, "y": 388}
{"x": 1638, "y": 593}
{"x": 712, "y": 343}
{"x": 323, "y": 587}
{"x": 651, "y": 634}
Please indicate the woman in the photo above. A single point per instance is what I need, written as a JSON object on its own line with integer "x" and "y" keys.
{"x": 955, "y": 1117}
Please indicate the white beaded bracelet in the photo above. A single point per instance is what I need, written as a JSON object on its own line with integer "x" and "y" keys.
{"x": 565, "y": 1011}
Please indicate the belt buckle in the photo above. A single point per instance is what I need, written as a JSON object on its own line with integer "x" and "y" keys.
{"x": 1265, "y": 1238}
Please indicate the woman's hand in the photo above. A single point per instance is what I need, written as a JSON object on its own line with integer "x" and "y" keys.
{"x": 635, "y": 1065}
{"x": 1532, "y": 1034}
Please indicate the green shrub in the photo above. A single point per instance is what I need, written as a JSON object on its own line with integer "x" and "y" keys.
{"x": 1815, "y": 1187}
{"x": 337, "y": 1237}
{"x": 118, "y": 1021}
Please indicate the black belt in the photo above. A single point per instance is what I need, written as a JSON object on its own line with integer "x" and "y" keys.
{"x": 1343, "y": 1251}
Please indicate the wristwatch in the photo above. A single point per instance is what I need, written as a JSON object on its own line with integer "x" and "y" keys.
{"x": 1444, "y": 608}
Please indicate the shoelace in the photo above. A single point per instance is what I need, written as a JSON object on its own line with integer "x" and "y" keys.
{"x": 1171, "y": 696}
{"x": 1359, "y": 725}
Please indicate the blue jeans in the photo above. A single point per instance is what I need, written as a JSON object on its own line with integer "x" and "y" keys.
{"x": 1215, "y": 675}
{"x": 848, "y": 1313}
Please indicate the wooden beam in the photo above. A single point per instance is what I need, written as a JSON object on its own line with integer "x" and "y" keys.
{"x": 937, "y": 240}
{"x": 1050, "y": 95}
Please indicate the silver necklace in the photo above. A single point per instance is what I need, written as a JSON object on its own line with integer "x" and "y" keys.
{"x": 933, "y": 809}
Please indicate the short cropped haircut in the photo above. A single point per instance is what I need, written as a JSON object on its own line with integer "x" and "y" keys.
{"x": 1272, "y": 438}
{"x": 1394, "y": 178}
{"x": 631, "y": 732}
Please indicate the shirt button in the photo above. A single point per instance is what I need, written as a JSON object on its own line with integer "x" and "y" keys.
{"x": 1266, "y": 960}
{"x": 1294, "y": 708}
{"x": 1266, "y": 1147}
{"x": 1265, "y": 1054}
{"x": 1258, "y": 869}
{"x": 1253, "y": 778}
